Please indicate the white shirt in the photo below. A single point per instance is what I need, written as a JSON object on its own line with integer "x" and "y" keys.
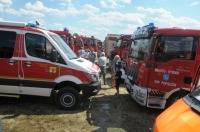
{"x": 82, "y": 53}
{"x": 102, "y": 61}
{"x": 123, "y": 73}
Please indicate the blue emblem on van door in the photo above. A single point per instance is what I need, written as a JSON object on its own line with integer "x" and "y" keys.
{"x": 166, "y": 77}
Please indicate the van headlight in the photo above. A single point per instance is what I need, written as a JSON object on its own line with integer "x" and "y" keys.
{"x": 94, "y": 76}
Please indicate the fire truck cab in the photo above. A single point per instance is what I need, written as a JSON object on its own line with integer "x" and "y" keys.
{"x": 37, "y": 62}
{"x": 122, "y": 46}
{"x": 163, "y": 61}
{"x": 78, "y": 44}
{"x": 90, "y": 42}
{"x": 66, "y": 36}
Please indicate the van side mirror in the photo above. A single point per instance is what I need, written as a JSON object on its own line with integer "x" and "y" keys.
{"x": 55, "y": 56}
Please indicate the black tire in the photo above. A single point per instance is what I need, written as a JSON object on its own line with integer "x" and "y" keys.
{"x": 68, "y": 98}
{"x": 172, "y": 99}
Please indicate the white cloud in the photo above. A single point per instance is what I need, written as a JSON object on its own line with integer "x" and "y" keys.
{"x": 67, "y": 3}
{"x": 129, "y": 29}
{"x": 194, "y": 3}
{"x": 114, "y": 3}
{"x": 103, "y": 29}
{"x": 26, "y": 13}
{"x": 12, "y": 11}
{"x": 6, "y": 2}
{"x": 89, "y": 10}
{"x": 165, "y": 17}
{"x": 31, "y": 14}
{"x": 125, "y": 1}
{"x": 115, "y": 19}
{"x": 108, "y": 4}
{"x": 1, "y": 7}
{"x": 38, "y": 6}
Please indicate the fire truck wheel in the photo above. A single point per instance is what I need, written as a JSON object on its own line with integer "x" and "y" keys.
{"x": 172, "y": 99}
{"x": 67, "y": 98}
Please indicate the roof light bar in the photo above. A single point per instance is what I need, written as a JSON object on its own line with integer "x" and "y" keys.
{"x": 16, "y": 24}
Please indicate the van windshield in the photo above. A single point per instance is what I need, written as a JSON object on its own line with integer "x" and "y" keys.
{"x": 66, "y": 49}
{"x": 193, "y": 100}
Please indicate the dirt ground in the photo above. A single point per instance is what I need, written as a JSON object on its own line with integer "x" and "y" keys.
{"x": 101, "y": 113}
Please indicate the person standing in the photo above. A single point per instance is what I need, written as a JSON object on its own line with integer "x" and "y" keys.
{"x": 118, "y": 79}
{"x": 99, "y": 53}
{"x": 87, "y": 52}
{"x": 81, "y": 52}
{"x": 92, "y": 55}
{"x": 123, "y": 74}
{"x": 102, "y": 64}
{"x": 115, "y": 63}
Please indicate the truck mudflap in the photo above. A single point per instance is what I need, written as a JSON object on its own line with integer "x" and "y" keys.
{"x": 139, "y": 94}
{"x": 90, "y": 89}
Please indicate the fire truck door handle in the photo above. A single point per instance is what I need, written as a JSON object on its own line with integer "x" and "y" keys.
{"x": 27, "y": 63}
{"x": 11, "y": 62}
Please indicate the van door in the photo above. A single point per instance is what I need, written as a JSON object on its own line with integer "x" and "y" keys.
{"x": 9, "y": 82}
{"x": 39, "y": 72}
{"x": 175, "y": 63}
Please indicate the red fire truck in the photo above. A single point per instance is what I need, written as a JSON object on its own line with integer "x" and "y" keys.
{"x": 66, "y": 36}
{"x": 100, "y": 45}
{"x": 122, "y": 46}
{"x": 163, "y": 61}
{"x": 78, "y": 43}
{"x": 110, "y": 42}
{"x": 90, "y": 42}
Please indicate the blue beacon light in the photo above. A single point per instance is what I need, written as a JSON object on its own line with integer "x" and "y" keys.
{"x": 151, "y": 24}
{"x": 32, "y": 25}
{"x": 65, "y": 29}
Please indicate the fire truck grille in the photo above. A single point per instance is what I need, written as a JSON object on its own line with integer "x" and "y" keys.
{"x": 134, "y": 73}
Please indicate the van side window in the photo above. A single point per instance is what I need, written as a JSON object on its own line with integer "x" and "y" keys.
{"x": 170, "y": 47}
{"x": 7, "y": 44}
{"x": 38, "y": 46}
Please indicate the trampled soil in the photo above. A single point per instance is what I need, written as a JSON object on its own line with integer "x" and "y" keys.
{"x": 101, "y": 113}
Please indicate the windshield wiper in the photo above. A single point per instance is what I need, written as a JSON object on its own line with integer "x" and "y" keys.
{"x": 74, "y": 58}
{"x": 194, "y": 104}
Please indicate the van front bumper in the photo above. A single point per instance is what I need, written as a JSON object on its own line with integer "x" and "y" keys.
{"x": 90, "y": 89}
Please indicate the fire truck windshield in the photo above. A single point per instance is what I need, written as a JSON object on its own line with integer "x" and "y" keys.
{"x": 66, "y": 49}
{"x": 140, "y": 48}
{"x": 118, "y": 44}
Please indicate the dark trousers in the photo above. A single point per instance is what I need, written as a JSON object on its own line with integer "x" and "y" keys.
{"x": 103, "y": 72}
{"x": 118, "y": 81}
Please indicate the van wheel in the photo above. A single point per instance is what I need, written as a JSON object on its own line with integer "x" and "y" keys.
{"x": 172, "y": 99}
{"x": 67, "y": 98}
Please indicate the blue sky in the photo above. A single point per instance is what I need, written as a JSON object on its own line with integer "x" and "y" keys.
{"x": 102, "y": 17}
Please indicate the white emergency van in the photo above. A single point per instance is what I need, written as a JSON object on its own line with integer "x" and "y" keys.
{"x": 35, "y": 61}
